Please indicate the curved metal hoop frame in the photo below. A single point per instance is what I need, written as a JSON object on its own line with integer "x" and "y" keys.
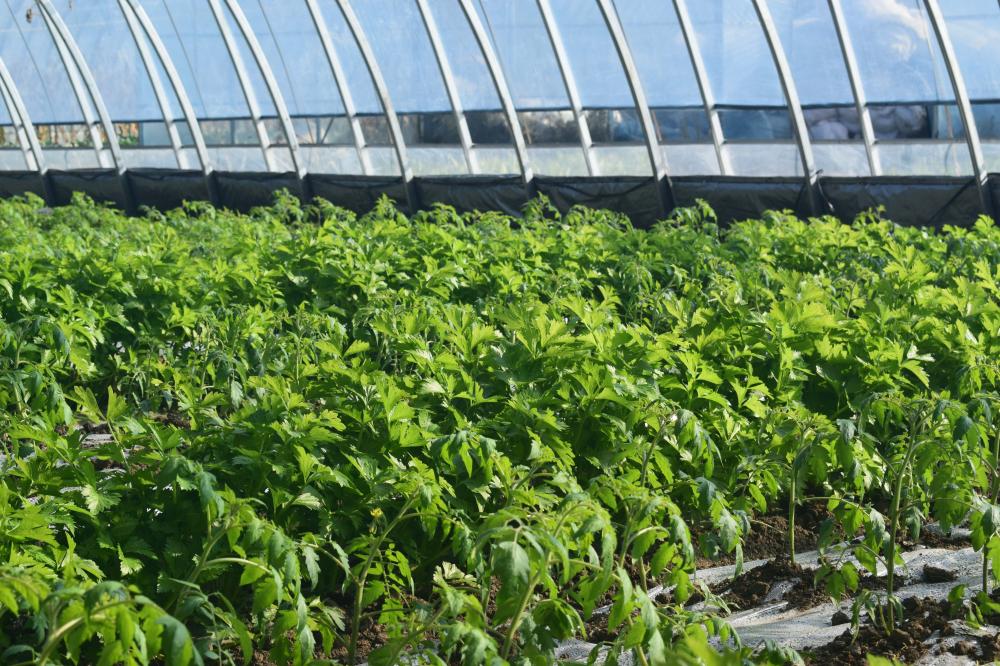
{"x": 375, "y": 72}
{"x": 27, "y": 138}
{"x": 340, "y": 78}
{"x": 84, "y": 85}
{"x": 234, "y": 25}
{"x": 277, "y": 98}
{"x": 154, "y": 78}
{"x": 246, "y": 86}
{"x": 450, "y": 85}
{"x": 858, "y": 90}
{"x": 704, "y": 86}
{"x": 656, "y": 158}
{"x": 572, "y": 90}
{"x": 799, "y": 125}
{"x": 503, "y": 92}
{"x": 964, "y": 105}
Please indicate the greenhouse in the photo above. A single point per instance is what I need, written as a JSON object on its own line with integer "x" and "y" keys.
{"x": 499, "y": 332}
{"x": 815, "y": 105}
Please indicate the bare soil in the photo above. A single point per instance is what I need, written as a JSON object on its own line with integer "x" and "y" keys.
{"x": 924, "y": 618}
{"x": 751, "y": 588}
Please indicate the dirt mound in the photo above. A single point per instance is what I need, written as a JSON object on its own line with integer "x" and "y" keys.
{"x": 924, "y": 619}
{"x": 779, "y": 579}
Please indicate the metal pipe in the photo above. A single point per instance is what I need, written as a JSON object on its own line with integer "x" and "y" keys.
{"x": 572, "y": 91}
{"x": 34, "y": 159}
{"x": 245, "y": 83}
{"x": 361, "y": 39}
{"x": 61, "y": 34}
{"x": 72, "y": 62}
{"x": 450, "y": 85}
{"x": 792, "y": 98}
{"x": 657, "y": 159}
{"x": 180, "y": 91}
{"x": 277, "y": 98}
{"x": 340, "y": 78}
{"x": 704, "y": 86}
{"x": 154, "y": 78}
{"x": 857, "y": 88}
{"x": 979, "y": 170}
{"x": 503, "y": 92}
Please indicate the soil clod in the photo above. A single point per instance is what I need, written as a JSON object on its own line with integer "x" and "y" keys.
{"x": 933, "y": 574}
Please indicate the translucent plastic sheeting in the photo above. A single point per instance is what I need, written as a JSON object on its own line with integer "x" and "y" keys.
{"x": 11, "y": 159}
{"x": 841, "y": 159}
{"x": 192, "y": 38}
{"x": 558, "y": 160}
{"x": 237, "y": 158}
{"x": 258, "y": 87}
{"x": 157, "y": 158}
{"x": 745, "y": 84}
{"x": 355, "y": 70}
{"x": 908, "y": 89}
{"x": 974, "y": 26}
{"x": 525, "y": 52}
{"x": 991, "y": 153}
{"x": 773, "y": 619}
{"x": 897, "y": 53}
{"x": 5, "y": 119}
{"x": 901, "y": 158}
{"x": 770, "y": 159}
{"x": 569, "y": 88}
{"x": 293, "y": 48}
{"x": 592, "y": 57}
{"x": 332, "y": 159}
{"x": 497, "y": 160}
{"x": 35, "y": 65}
{"x": 68, "y": 159}
{"x": 11, "y": 154}
{"x": 809, "y": 38}
{"x": 661, "y": 56}
{"x": 437, "y": 160}
{"x": 740, "y": 68}
{"x": 666, "y": 71}
{"x": 397, "y": 35}
{"x": 107, "y": 44}
{"x": 691, "y": 159}
{"x": 623, "y": 160}
{"x": 472, "y": 76}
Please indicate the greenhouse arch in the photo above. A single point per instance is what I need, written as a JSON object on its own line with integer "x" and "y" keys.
{"x": 821, "y": 106}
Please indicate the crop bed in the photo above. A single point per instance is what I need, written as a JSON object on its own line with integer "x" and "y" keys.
{"x": 298, "y": 436}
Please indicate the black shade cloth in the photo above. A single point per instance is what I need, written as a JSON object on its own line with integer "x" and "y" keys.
{"x": 912, "y": 200}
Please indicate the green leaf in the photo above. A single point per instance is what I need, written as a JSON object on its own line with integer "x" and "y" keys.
{"x": 656, "y": 650}
{"x": 311, "y": 559}
{"x": 265, "y": 593}
{"x": 116, "y": 406}
{"x": 357, "y": 347}
{"x": 511, "y": 564}
{"x": 178, "y": 649}
{"x": 252, "y": 574}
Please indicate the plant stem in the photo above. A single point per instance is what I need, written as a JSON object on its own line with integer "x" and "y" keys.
{"x": 352, "y": 648}
{"x": 890, "y": 563}
{"x": 995, "y": 492}
{"x": 791, "y": 520}
{"x": 62, "y": 631}
{"x": 515, "y": 622}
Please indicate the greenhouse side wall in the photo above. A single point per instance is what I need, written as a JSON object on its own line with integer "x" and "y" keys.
{"x": 912, "y": 200}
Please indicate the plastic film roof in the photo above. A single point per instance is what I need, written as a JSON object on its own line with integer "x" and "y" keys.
{"x": 404, "y": 88}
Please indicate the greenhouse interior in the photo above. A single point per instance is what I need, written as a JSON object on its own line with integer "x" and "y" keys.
{"x": 499, "y": 332}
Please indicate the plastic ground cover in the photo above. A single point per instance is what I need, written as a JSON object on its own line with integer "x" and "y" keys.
{"x": 812, "y": 627}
